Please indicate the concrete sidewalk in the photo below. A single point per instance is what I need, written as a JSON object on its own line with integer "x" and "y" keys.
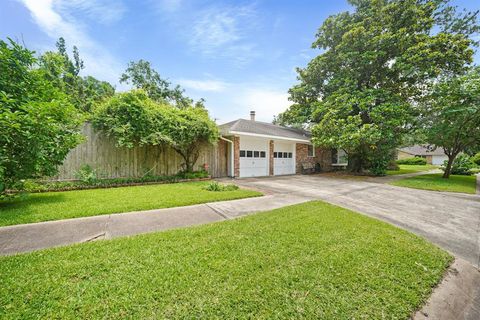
{"x": 35, "y": 236}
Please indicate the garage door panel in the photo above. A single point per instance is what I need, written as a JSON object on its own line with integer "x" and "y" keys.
{"x": 283, "y": 158}
{"x": 253, "y": 157}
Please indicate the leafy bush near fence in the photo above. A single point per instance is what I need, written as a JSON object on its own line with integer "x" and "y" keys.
{"x": 89, "y": 183}
{"x": 413, "y": 161}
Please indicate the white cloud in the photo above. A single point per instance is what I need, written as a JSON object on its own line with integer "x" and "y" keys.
{"x": 56, "y": 23}
{"x": 203, "y": 85}
{"x": 103, "y": 11}
{"x": 266, "y": 102}
{"x": 167, "y": 5}
{"x": 221, "y": 31}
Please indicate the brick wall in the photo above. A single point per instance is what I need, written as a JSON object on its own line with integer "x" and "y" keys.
{"x": 322, "y": 156}
{"x": 270, "y": 157}
{"x": 236, "y": 156}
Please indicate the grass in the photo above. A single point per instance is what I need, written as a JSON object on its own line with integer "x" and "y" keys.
{"x": 84, "y": 203}
{"x": 312, "y": 260}
{"x": 465, "y": 184}
{"x": 405, "y": 168}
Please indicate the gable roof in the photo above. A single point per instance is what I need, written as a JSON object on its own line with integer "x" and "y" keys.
{"x": 251, "y": 127}
{"x": 422, "y": 150}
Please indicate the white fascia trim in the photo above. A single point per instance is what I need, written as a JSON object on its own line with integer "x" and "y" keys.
{"x": 267, "y": 136}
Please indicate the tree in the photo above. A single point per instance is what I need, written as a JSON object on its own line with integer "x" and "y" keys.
{"x": 451, "y": 119}
{"x": 142, "y": 76}
{"x": 38, "y": 125}
{"x": 132, "y": 118}
{"x": 377, "y": 64}
{"x": 59, "y": 69}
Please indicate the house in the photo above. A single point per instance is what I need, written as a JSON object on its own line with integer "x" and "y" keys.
{"x": 258, "y": 149}
{"x": 435, "y": 157}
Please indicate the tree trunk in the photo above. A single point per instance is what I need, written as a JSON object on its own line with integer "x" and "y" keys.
{"x": 355, "y": 163}
{"x": 448, "y": 168}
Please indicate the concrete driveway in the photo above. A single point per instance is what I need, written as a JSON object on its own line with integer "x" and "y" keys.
{"x": 452, "y": 221}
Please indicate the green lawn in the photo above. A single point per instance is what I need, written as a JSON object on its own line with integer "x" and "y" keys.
{"x": 312, "y": 260}
{"x": 465, "y": 184}
{"x": 83, "y": 203}
{"x": 405, "y": 168}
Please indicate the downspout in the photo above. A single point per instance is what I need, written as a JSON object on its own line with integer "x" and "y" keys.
{"x": 232, "y": 168}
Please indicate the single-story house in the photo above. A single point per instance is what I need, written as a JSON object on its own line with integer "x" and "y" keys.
{"x": 435, "y": 157}
{"x": 258, "y": 149}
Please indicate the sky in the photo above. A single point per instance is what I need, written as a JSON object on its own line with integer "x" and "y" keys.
{"x": 238, "y": 55}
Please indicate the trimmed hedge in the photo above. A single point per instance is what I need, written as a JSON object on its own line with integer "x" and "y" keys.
{"x": 413, "y": 161}
{"x": 35, "y": 186}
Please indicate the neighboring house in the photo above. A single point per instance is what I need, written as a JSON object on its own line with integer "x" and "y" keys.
{"x": 435, "y": 157}
{"x": 258, "y": 149}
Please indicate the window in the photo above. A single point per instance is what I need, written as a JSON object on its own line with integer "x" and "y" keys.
{"x": 285, "y": 154}
{"x": 290, "y": 155}
{"x": 280, "y": 154}
{"x": 311, "y": 151}
{"x": 262, "y": 154}
{"x": 249, "y": 154}
{"x": 275, "y": 155}
{"x": 256, "y": 154}
{"x": 242, "y": 153}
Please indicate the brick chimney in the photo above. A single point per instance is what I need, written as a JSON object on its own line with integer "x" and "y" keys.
{"x": 252, "y": 115}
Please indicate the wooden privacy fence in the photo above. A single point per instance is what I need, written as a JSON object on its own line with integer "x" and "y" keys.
{"x": 110, "y": 161}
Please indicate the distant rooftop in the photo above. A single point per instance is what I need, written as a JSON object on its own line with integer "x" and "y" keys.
{"x": 422, "y": 150}
{"x": 263, "y": 128}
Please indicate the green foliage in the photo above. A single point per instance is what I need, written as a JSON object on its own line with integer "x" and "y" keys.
{"x": 462, "y": 165}
{"x": 476, "y": 159}
{"x": 215, "y": 186}
{"x": 95, "y": 182}
{"x": 84, "y": 93}
{"x": 86, "y": 174}
{"x": 142, "y": 76}
{"x": 452, "y": 115}
{"x": 38, "y": 124}
{"x": 357, "y": 94}
{"x": 132, "y": 118}
{"x": 413, "y": 161}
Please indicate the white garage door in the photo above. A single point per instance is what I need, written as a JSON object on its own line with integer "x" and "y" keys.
{"x": 283, "y": 158}
{"x": 253, "y": 157}
{"x": 438, "y": 160}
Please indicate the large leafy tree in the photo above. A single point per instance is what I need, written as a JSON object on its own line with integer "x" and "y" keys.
{"x": 132, "y": 118}
{"x": 64, "y": 72}
{"x": 142, "y": 76}
{"x": 451, "y": 116}
{"x": 377, "y": 63}
{"x": 38, "y": 124}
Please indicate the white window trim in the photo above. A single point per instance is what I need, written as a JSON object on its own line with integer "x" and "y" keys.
{"x": 338, "y": 163}
{"x": 313, "y": 148}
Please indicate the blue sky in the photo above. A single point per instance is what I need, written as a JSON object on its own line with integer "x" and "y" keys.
{"x": 238, "y": 55}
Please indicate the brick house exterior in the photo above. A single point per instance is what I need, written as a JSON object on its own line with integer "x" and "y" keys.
{"x": 265, "y": 149}
{"x": 323, "y": 157}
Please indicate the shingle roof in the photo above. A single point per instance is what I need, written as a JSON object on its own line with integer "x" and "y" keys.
{"x": 419, "y": 150}
{"x": 263, "y": 128}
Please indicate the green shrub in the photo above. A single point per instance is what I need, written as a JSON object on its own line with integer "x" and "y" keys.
{"x": 413, "y": 161}
{"x": 462, "y": 165}
{"x": 215, "y": 186}
{"x": 86, "y": 174}
{"x": 476, "y": 159}
{"x": 88, "y": 182}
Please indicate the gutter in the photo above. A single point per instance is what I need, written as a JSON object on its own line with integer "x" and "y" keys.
{"x": 232, "y": 164}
